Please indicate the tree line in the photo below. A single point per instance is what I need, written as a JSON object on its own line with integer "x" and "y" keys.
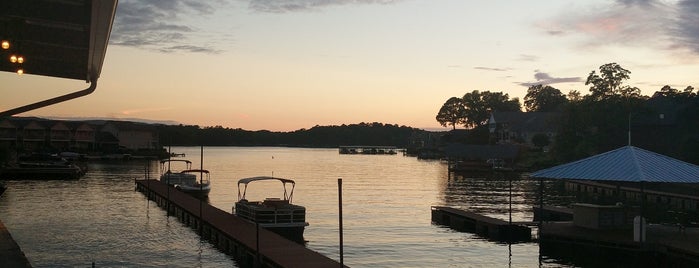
{"x": 370, "y": 134}
{"x": 598, "y": 121}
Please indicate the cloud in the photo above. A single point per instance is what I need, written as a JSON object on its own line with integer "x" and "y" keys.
{"x": 686, "y": 31}
{"x": 277, "y": 6}
{"x": 158, "y": 25}
{"x": 491, "y": 69}
{"x": 657, "y": 24}
{"x": 546, "y": 79}
{"x": 525, "y": 57}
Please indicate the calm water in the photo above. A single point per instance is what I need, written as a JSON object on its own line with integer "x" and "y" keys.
{"x": 386, "y": 212}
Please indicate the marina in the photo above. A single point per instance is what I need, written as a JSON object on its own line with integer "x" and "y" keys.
{"x": 250, "y": 245}
{"x": 121, "y": 227}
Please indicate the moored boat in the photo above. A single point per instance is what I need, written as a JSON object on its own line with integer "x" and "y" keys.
{"x": 275, "y": 214}
{"x": 193, "y": 181}
{"x": 42, "y": 167}
{"x": 196, "y": 185}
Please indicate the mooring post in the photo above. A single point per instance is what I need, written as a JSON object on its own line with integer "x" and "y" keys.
{"x": 257, "y": 243}
{"x": 339, "y": 196}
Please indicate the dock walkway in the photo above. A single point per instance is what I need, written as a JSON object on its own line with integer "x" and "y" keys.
{"x": 232, "y": 235}
{"x": 10, "y": 254}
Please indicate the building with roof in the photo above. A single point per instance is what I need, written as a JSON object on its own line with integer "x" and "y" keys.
{"x": 520, "y": 127}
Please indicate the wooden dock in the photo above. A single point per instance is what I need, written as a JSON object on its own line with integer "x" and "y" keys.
{"x": 11, "y": 254}
{"x": 491, "y": 228}
{"x": 232, "y": 235}
{"x": 665, "y": 246}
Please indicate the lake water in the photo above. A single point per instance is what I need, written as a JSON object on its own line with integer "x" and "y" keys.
{"x": 386, "y": 211}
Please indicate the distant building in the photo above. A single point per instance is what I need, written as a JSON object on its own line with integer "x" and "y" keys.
{"x": 133, "y": 136}
{"x": 520, "y": 127}
{"x": 32, "y": 134}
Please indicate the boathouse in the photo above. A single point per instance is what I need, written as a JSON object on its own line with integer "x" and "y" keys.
{"x": 625, "y": 229}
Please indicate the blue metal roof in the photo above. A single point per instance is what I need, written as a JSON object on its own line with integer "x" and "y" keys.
{"x": 629, "y": 164}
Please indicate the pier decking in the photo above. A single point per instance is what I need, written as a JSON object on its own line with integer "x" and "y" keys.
{"x": 492, "y": 228}
{"x": 232, "y": 235}
{"x": 10, "y": 253}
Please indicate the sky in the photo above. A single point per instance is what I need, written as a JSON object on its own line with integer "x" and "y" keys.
{"x": 288, "y": 65}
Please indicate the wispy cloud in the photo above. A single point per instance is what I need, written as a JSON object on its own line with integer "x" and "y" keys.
{"x": 491, "y": 69}
{"x": 524, "y": 57}
{"x": 277, "y": 6}
{"x": 686, "y": 32}
{"x": 159, "y": 25}
{"x": 650, "y": 23}
{"x": 546, "y": 79}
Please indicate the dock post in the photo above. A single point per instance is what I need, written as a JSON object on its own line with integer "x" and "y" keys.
{"x": 339, "y": 197}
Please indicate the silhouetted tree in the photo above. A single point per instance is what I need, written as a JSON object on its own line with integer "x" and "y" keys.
{"x": 542, "y": 98}
{"x": 453, "y": 112}
{"x": 480, "y": 104}
{"x": 609, "y": 82}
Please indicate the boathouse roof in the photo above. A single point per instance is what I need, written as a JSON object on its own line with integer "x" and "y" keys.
{"x": 628, "y": 164}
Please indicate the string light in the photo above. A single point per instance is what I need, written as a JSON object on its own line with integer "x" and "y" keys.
{"x": 13, "y": 59}
{"x": 5, "y": 44}
{"x": 20, "y": 59}
{"x": 20, "y": 71}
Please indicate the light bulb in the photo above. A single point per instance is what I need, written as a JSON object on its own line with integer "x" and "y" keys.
{"x": 13, "y": 58}
{"x": 5, "y": 44}
{"x": 20, "y": 71}
{"x": 20, "y": 59}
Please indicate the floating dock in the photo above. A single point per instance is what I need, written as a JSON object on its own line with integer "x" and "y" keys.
{"x": 362, "y": 149}
{"x": 232, "y": 235}
{"x": 491, "y": 228}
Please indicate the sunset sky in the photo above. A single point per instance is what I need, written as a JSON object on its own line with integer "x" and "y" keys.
{"x": 288, "y": 65}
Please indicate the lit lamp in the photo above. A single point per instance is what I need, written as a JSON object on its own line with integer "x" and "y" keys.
{"x": 5, "y": 44}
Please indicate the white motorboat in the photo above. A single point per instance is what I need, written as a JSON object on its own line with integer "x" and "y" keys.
{"x": 193, "y": 181}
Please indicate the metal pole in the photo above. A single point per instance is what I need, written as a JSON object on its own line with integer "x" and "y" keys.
{"x": 257, "y": 243}
{"x": 339, "y": 189}
{"x": 167, "y": 180}
{"x": 201, "y": 187}
{"x": 641, "y": 221}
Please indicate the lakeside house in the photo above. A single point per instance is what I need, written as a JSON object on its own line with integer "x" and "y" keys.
{"x": 521, "y": 127}
{"x": 31, "y": 134}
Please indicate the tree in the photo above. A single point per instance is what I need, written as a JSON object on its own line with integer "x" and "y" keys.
{"x": 609, "y": 83}
{"x": 479, "y": 105}
{"x": 541, "y": 140}
{"x": 574, "y": 96}
{"x": 542, "y": 98}
{"x": 452, "y": 112}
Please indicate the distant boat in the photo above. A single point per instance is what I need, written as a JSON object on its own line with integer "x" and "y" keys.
{"x": 192, "y": 181}
{"x": 275, "y": 214}
{"x": 42, "y": 167}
